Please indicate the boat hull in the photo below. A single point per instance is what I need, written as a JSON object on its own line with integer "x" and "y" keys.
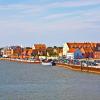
{"x": 47, "y": 63}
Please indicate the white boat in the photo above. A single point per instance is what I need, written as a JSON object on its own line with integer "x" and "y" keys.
{"x": 47, "y": 63}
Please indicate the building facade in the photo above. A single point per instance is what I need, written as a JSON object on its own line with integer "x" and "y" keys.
{"x": 85, "y": 50}
{"x": 39, "y": 49}
{"x": 97, "y": 51}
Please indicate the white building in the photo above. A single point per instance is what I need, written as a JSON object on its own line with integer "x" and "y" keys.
{"x": 65, "y": 49}
{"x": 70, "y": 55}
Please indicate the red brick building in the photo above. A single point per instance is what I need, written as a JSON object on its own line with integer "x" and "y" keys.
{"x": 86, "y": 48}
{"x": 39, "y": 49}
{"x": 97, "y": 51}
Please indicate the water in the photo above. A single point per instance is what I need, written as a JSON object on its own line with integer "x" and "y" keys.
{"x": 36, "y": 82}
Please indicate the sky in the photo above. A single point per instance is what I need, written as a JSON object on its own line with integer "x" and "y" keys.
{"x": 53, "y": 22}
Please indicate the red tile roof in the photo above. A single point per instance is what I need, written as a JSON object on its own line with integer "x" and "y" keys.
{"x": 40, "y": 46}
{"x": 71, "y": 50}
{"x": 88, "y": 47}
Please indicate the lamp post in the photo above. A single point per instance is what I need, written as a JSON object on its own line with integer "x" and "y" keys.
{"x": 81, "y": 65}
{"x": 87, "y": 64}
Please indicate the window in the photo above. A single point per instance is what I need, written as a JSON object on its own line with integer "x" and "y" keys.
{"x": 98, "y": 48}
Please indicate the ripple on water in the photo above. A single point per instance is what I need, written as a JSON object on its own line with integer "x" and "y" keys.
{"x": 36, "y": 82}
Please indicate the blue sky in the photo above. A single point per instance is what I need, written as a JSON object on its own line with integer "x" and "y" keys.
{"x": 25, "y": 22}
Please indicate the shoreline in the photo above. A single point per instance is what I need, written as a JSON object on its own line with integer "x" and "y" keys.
{"x": 79, "y": 68}
{"x": 21, "y": 61}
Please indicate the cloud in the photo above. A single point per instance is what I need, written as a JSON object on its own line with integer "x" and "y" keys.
{"x": 53, "y": 16}
{"x": 23, "y": 8}
{"x": 73, "y": 3}
{"x": 42, "y": 19}
{"x": 16, "y": 6}
{"x": 44, "y": 7}
{"x": 15, "y": 26}
{"x": 39, "y": 9}
{"x": 86, "y": 21}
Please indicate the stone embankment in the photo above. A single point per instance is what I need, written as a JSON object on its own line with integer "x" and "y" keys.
{"x": 91, "y": 69}
{"x": 21, "y": 61}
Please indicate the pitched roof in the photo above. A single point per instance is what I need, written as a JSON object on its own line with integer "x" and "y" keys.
{"x": 97, "y": 48}
{"x": 71, "y": 50}
{"x": 80, "y": 45}
{"x": 40, "y": 46}
{"x": 88, "y": 50}
{"x": 74, "y": 45}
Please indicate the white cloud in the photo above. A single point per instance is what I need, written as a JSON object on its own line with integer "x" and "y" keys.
{"x": 73, "y": 3}
{"x": 13, "y": 26}
{"x": 78, "y": 23}
{"x": 53, "y": 16}
{"x": 24, "y": 8}
{"x": 39, "y": 7}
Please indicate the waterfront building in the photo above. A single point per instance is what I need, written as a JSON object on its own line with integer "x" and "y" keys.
{"x": 55, "y": 51}
{"x": 49, "y": 51}
{"x": 97, "y": 51}
{"x": 6, "y": 52}
{"x": 58, "y": 51}
{"x": 86, "y": 48}
{"x": 17, "y": 50}
{"x": 11, "y": 51}
{"x": 1, "y": 52}
{"x": 39, "y": 49}
{"x": 74, "y": 54}
{"x": 26, "y": 53}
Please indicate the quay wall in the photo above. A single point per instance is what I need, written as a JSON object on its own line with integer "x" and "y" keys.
{"x": 89, "y": 69}
{"x": 21, "y": 61}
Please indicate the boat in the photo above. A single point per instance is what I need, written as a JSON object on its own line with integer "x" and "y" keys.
{"x": 47, "y": 63}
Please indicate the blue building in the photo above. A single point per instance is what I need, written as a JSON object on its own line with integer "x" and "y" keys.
{"x": 78, "y": 54}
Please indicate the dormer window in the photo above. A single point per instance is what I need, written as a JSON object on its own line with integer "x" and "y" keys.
{"x": 98, "y": 48}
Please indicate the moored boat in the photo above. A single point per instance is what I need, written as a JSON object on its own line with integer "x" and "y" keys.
{"x": 47, "y": 63}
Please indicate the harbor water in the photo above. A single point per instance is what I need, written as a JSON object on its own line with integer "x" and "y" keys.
{"x": 19, "y": 81}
